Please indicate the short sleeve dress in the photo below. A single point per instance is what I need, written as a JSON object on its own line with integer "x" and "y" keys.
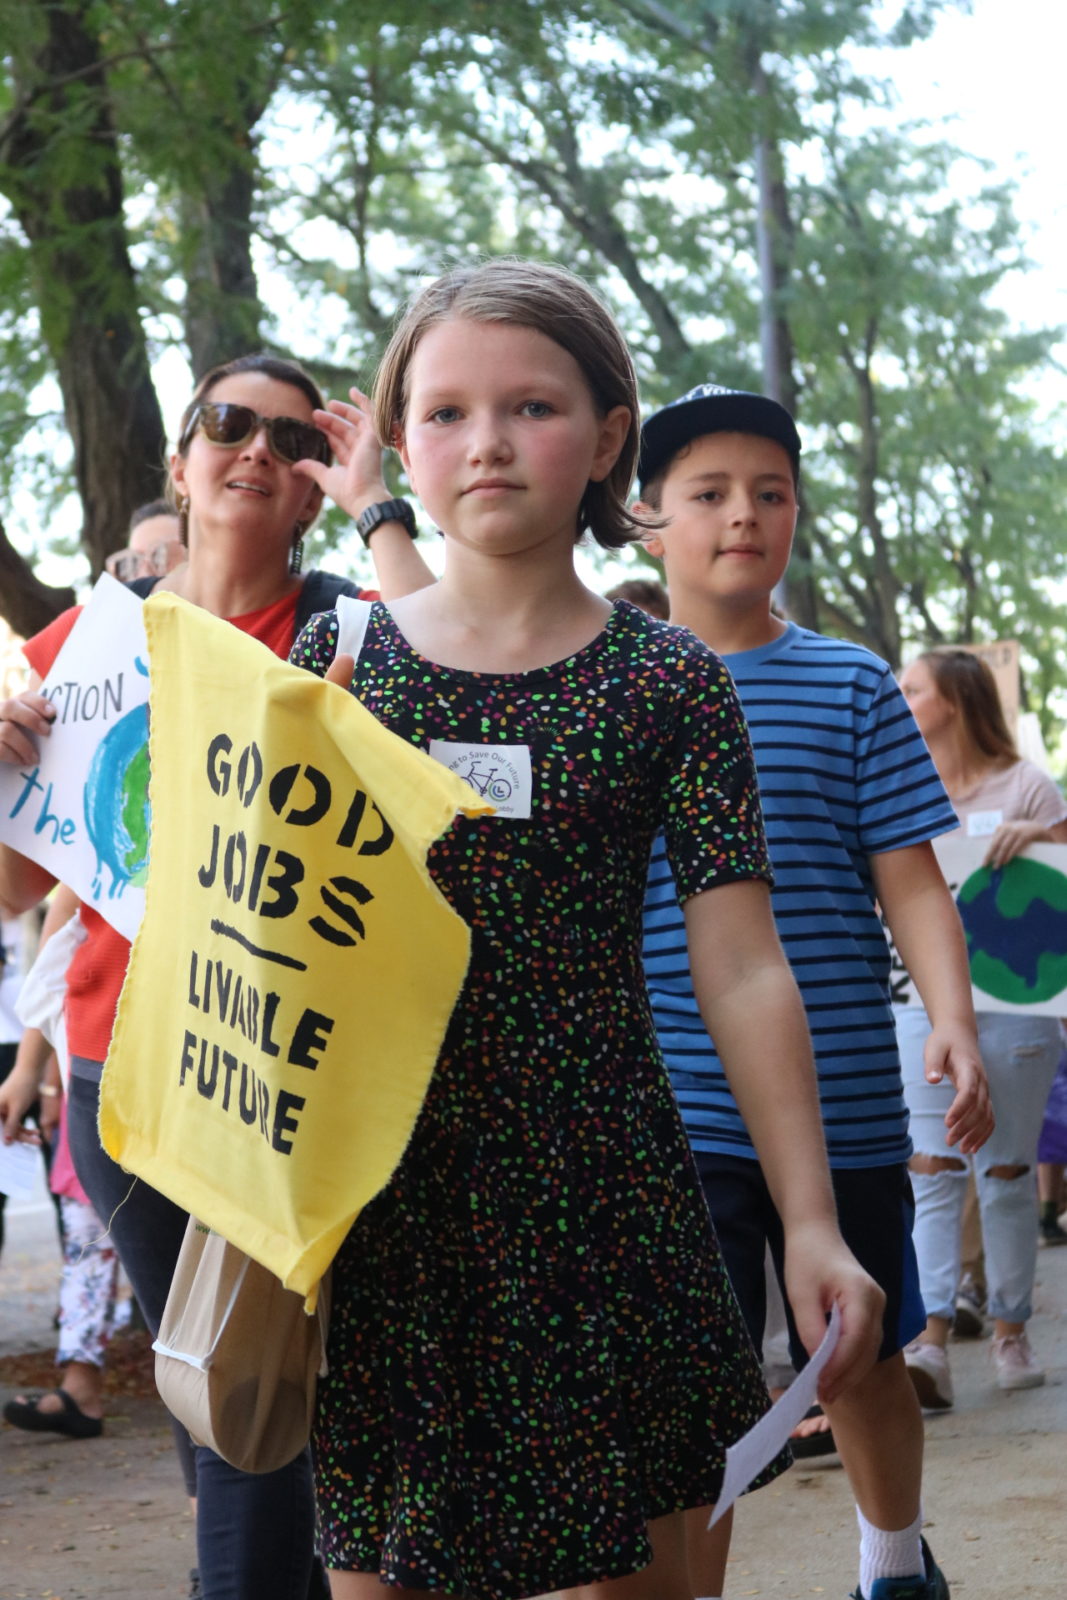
{"x": 534, "y": 1348}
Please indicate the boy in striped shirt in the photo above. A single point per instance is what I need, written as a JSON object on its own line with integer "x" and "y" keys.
{"x": 851, "y": 802}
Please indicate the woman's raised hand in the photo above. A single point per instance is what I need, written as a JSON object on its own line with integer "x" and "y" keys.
{"x": 354, "y": 479}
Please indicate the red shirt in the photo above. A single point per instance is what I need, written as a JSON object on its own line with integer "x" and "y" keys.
{"x": 95, "y": 975}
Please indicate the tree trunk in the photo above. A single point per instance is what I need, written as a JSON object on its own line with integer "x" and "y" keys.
{"x": 25, "y": 602}
{"x": 799, "y": 595}
{"x": 59, "y": 167}
{"x": 223, "y": 314}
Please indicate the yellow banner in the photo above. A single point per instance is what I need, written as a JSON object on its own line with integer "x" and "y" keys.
{"x": 292, "y": 979}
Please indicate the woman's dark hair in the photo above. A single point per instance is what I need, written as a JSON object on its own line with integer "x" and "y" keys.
{"x": 271, "y": 366}
{"x": 559, "y": 305}
{"x": 964, "y": 680}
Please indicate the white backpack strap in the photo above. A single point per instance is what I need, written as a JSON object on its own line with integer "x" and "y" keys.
{"x": 352, "y": 619}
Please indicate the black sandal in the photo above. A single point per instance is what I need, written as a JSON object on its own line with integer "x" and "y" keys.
{"x": 71, "y": 1420}
{"x": 813, "y": 1444}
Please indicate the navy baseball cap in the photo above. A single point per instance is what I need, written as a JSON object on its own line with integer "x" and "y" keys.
{"x": 709, "y": 408}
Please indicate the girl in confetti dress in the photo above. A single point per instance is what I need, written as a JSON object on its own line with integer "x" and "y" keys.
{"x": 536, "y": 1362}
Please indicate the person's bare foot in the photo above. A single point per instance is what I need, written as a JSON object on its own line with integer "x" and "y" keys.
{"x": 812, "y": 1435}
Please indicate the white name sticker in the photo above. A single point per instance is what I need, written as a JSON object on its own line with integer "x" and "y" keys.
{"x": 500, "y": 773}
{"x": 980, "y": 824}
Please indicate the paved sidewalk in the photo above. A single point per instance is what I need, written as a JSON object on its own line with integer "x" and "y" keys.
{"x": 105, "y": 1519}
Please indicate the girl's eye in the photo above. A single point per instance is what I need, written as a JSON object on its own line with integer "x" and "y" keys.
{"x": 537, "y": 408}
{"x": 773, "y": 497}
{"x": 709, "y": 496}
{"x": 444, "y": 414}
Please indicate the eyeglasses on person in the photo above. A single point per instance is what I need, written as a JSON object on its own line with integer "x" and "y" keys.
{"x": 225, "y": 423}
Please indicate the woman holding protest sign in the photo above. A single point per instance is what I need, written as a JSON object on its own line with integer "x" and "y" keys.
{"x": 1011, "y": 804}
{"x": 257, "y": 451}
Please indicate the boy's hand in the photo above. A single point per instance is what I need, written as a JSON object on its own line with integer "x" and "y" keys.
{"x": 821, "y": 1272}
{"x": 952, "y": 1052}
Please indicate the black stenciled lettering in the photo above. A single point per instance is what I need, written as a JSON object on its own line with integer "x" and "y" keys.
{"x": 188, "y": 1046}
{"x": 229, "y": 1067}
{"x": 235, "y": 866}
{"x": 281, "y": 786}
{"x": 347, "y": 913}
{"x": 194, "y": 998}
{"x": 223, "y": 983}
{"x": 309, "y": 1034}
{"x": 352, "y": 823}
{"x": 264, "y": 1107}
{"x": 283, "y": 1122}
{"x": 206, "y": 874}
{"x": 290, "y": 872}
{"x": 350, "y": 827}
{"x": 219, "y": 772}
{"x": 236, "y": 1017}
{"x": 206, "y": 1082}
{"x": 270, "y": 1007}
{"x": 378, "y": 846}
{"x": 247, "y": 1096}
{"x": 259, "y": 862}
{"x": 252, "y": 1015}
{"x": 249, "y": 774}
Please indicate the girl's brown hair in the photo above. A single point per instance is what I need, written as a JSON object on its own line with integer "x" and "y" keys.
{"x": 559, "y": 305}
{"x": 965, "y": 680}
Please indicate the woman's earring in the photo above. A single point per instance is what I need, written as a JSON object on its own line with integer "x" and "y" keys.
{"x": 183, "y": 520}
{"x": 296, "y": 559}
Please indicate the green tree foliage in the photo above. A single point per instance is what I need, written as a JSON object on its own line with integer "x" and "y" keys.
{"x": 287, "y": 178}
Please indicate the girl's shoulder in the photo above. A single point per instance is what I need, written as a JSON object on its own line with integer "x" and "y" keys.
{"x": 667, "y": 651}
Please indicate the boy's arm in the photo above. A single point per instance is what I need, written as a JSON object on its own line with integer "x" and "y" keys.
{"x": 927, "y": 932}
{"x": 750, "y": 1004}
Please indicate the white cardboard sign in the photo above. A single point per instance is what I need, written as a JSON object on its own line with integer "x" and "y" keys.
{"x": 1015, "y": 921}
{"x": 81, "y": 810}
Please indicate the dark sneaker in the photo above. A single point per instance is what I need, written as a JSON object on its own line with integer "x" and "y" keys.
{"x": 1051, "y": 1234}
{"x": 195, "y": 1590}
{"x": 932, "y": 1585}
{"x": 969, "y": 1321}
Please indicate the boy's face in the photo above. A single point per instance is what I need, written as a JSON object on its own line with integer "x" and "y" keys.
{"x": 733, "y": 509}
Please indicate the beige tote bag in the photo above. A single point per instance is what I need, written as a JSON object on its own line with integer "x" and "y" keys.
{"x": 237, "y": 1356}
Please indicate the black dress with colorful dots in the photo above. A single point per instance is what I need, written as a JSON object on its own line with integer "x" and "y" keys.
{"x": 534, "y": 1348}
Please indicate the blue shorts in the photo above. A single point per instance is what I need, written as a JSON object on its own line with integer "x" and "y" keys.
{"x": 875, "y": 1211}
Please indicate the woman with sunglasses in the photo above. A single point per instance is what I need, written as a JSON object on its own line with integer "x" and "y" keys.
{"x": 257, "y": 450}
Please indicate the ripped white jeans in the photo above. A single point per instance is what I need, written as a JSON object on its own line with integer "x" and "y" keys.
{"x": 1020, "y": 1054}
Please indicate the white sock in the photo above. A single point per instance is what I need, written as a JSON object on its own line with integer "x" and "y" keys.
{"x": 888, "y": 1555}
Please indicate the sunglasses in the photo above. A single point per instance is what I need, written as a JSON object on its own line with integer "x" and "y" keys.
{"x": 230, "y": 425}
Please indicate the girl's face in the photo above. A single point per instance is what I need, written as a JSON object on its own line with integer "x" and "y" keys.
{"x": 245, "y": 489}
{"x": 931, "y": 710}
{"x": 501, "y": 435}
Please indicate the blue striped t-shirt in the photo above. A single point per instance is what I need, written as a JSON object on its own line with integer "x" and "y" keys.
{"x": 844, "y": 775}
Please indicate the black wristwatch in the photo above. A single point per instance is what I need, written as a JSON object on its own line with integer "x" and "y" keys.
{"x": 386, "y": 511}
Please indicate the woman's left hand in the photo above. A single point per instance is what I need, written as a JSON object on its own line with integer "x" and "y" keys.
{"x": 354, "y": 478}
{"x": 1011, "y": 838}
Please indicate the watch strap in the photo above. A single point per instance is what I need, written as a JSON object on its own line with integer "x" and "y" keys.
{"x": 372, "y": 517}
